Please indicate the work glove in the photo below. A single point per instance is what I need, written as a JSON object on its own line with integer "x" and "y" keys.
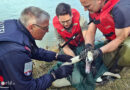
{"x": 88, "y": 47}
{"x": 62, "y": 71}
{"x": 90, "y": 55}
{"x": 96, "y": 53}
{"x": 83, "y": 54}
{"x": 63, "y": 58}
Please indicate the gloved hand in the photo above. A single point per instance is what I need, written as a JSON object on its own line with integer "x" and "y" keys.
{"x": 97, "y": 52}
{"x": 88, "y": 47}
{"x": 63, "y": 71}
{"x": 63, "y": 58}
{"x": 83, "y": 54}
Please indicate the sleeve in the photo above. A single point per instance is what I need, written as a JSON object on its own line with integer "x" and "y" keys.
{"x": 14, "y": 70}
{"x": 83, "y": 23}
{"x": 121, "y": 16}
{"x": 60, "y": 39}
{"x": 43, "y": 55}
{"x": 90, "y": 19}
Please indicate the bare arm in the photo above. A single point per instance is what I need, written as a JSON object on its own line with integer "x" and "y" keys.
{"x": 89, "y": 35}
{"x": 68, "y": 51}
{"x": 121, "y": 35}
{"x": 87, "y": 32}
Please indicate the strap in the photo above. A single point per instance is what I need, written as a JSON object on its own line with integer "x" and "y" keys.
{"x": 94, "y": 21}
{"x": 72, "y": 38}
{"x": 109, "y": 34}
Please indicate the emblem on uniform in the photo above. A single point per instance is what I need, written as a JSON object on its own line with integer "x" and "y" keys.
{"x": 28, "y": 68}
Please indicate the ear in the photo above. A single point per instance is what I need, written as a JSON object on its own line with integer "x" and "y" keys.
{"x": 30, "y": 27}
{"x": 100, "y": 1}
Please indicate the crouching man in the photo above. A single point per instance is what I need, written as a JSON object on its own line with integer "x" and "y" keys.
{"x": 18, "y": 47}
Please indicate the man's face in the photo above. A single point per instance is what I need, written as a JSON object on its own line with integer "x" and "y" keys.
{"x": 65, "y": 20}
{"x": 39, "y": 30}
{"x": 91, "y": 5}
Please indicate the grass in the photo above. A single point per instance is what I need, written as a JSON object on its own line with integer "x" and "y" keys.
{"x": 119, "y": 84}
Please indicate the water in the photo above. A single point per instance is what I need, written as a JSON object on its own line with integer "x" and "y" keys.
{"x": 11, "y": 9}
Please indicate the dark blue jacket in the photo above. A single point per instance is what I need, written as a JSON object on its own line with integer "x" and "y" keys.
{"x": 17, "y": 48}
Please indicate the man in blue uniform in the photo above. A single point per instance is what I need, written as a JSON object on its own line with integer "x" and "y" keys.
{"x": 18, "y": 47}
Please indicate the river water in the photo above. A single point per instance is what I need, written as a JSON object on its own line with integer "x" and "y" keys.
{"x": 11, "y": 9}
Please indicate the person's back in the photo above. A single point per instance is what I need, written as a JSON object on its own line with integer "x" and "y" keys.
{"x": 13, "y": 31}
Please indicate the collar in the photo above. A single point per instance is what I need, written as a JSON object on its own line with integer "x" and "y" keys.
{"x": 23, "y": 29}
{"x": 103, "y": 6}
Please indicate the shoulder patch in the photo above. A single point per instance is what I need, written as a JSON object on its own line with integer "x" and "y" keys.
{"x": 28, "y": 68}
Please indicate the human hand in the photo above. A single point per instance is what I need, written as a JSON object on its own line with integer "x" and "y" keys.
{"x": 63, "y": 58}
{"x": 90, "y": 55}
{"x": 97, "y": 52}
{"x": 88, "y": 47}
{"x": 62, "y": 71}
{"x": 83, "y": 54}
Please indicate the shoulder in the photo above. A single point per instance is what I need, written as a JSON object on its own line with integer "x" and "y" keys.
{"x": 121, "y": 14}
{"x": 7, "y": 47}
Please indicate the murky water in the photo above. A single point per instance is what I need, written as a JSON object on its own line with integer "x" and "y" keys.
{"x": 11, "y": 9}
